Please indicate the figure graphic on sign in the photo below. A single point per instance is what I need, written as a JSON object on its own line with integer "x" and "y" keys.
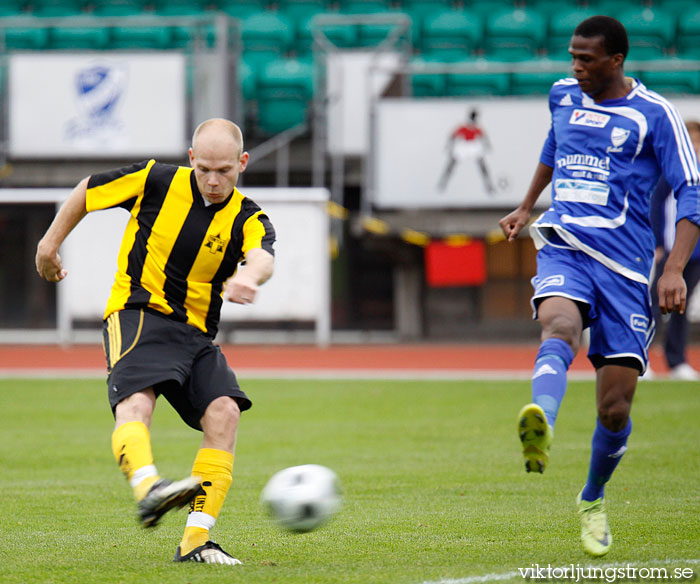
{"x": 99, "y": 92}
{"x": 468, "y": 142}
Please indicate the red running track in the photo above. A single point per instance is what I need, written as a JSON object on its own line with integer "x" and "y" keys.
{"x": 269, "y": 359}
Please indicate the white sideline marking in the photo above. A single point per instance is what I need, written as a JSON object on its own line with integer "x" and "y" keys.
{"x": 517, "y": 574}
{"x": 272, "y": 373}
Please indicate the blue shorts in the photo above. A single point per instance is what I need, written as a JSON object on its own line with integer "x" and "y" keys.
{"x": 617, "y": 310}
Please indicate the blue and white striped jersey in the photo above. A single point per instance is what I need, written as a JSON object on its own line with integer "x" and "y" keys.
{"x": 607, "y": 157}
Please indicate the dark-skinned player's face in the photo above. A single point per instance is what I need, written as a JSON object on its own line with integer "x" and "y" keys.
{"x": 593, "y": 68}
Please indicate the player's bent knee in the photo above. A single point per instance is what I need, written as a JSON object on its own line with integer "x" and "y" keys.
{"x": 224, "y": 408}
{"x": 615, "y": 416}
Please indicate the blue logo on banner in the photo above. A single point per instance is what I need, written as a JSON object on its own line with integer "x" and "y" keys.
{"x": 99, "y": 91}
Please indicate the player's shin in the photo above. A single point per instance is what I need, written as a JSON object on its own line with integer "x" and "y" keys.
{"x": 215, "y": 467}
{"x": 131, "y": 446}
{"x": 606, "y": 452}
{"x": 549, "y": 378}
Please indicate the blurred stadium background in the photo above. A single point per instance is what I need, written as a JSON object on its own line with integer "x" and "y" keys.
{"x": 347, "y": 108}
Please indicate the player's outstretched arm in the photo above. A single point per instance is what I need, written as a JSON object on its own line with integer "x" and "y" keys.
{"x": 671, "y": 286}
{"x": 512, "y": 223}
{"x": 48, "y": 261}
{"x": 242, "y": 288}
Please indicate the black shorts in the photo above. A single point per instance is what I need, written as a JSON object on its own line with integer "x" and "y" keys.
{"x": 145, "y": 349}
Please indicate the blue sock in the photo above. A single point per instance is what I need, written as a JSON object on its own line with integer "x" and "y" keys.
{"x": 606, "y": 451}
{"x": 549, "y": 377}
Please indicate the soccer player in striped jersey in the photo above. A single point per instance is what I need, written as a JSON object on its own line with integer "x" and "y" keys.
{"x": 610, "y": 140}
{"x": 189, "y": 230}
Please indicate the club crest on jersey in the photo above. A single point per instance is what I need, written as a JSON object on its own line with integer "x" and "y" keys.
{"x": 618, "y": 137}
{"x": 639, "y": 323}
{"x": 215, "y": 243}
{"x": 581, "y": 117}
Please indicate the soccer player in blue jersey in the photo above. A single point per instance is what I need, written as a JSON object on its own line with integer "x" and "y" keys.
{"x": 610, "y": 140}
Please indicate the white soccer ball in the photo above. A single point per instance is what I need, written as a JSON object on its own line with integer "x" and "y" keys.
{"x": 302, "y": 497}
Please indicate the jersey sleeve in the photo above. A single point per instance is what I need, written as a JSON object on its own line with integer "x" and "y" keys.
{"x": 119, "y": 187}
{"x": 258, "y": 232}
{"x": 550, "y": 144}
{"x": 679, "y": 164}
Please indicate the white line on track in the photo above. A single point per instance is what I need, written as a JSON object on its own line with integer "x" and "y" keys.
{"x": 516, "y": 573}
{"x": 272, "y": 373}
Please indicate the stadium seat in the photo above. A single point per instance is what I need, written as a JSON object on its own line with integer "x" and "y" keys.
{"x": 26, "y": 38}
{"x": 669, "y": 82}
{"x": 149, "y": 35}
{"x": 514, "y": 34}
{"x": 650, "y": 32}
{"x": 371, "y": 34}
{"x": 241, "y": 8}
{"x": 363, "y": 6}
{"x": 285, "y": 89}
{"x": 9, "y": 8}
{"x": 613, "y": 8}
{"x": 427, "y": 84}
{"x": 119, "y": 8}
{"x": 688, "y": 40}
{"x": 536, "y": 82}
{"x": 266, "y": 35}
{"x": 452, "y": 31}
{"x": 341, "y": 35}
{"x": 182, "y": 36}
{"x": 299, "y": 10}
{"x": 478, "y": 83}
{"x": 485, "y": 7}
{"x": 57, "y": 8}
{"x": 676, "y": 7}
{"x": 90, "y": 34}
{"x": 561, "y": 28}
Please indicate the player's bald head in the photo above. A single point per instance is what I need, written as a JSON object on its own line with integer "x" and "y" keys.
{"x": 217, "y": 133}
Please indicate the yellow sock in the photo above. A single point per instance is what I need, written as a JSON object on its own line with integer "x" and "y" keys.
{"x": 131, "y": 445}
{"x": 216, "y": 469}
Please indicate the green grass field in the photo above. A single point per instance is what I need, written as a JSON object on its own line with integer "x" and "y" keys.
{"x": 434, "y": 486}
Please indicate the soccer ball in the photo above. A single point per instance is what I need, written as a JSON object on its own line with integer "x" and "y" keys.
{"x": 302, "y": 497}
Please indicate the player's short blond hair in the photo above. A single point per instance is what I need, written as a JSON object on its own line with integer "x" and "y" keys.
{"x": 219, "y": 125}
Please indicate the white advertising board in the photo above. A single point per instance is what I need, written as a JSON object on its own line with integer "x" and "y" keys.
{"x": 424, "y": 161}
{"x": 96, "y": 105}
{"x": 353, "y": 78}
{"x": 414, "y": 150}
{"x": 299, "y": 290}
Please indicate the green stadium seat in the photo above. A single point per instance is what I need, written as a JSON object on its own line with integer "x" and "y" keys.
{"x": 119, "y": 8}
{"x": 478, "y": 83}
{"x": 372, "y": 33}
{"x": 9, "y": 8}
{"x": 427, "y": 84}
{"x": 561, "y": 27}
{"x": 181, "y": 7}
{"x": 267, "y": 32}
{"x": 514, "y": 33}
{"x": 285, "y": 90}
{"x": 669, "y": 82}
{"x": 688, "y": 40}
{"x": 676, "y": 7}
{"x": 613, "y": 8}
{"x": 87, "y": 32}
{"x": 341, "y": 35}
{"x": 183, "y": 36}
{"x": 650, "y": 32}
{"x": 300, "y": 10}
{"x": 149, "y": 35}
{"x": 57, "y": 8}
{"x": 241, "y": 8}
{"x": 452, "y": 31}
{"x": 537, "y": 82}
{"x": 26, "y": 38}
{"x": 364, "y": 6}
{"x": 485, "y": 7}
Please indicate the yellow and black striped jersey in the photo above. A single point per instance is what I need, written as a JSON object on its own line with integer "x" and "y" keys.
{"x": 176, "y": 252}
